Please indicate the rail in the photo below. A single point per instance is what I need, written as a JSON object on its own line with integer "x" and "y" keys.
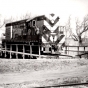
{"x": 63, "y": 85}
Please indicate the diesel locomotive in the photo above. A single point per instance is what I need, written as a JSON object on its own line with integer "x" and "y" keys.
{"x": 33, "y": 37}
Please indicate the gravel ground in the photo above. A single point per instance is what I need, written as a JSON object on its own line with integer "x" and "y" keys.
{"x": 30, "y": 73}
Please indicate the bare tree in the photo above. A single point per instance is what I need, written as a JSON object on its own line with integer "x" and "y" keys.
{"x": 2, "y": 22}
{"x": 11, "y": 19}
{"x": 22, "y": 17}
{"x": 2, "y": 27}
{"x": 25, "y": 16}
{"x": 80, "y": 28}
{"x": 68, "y": 28}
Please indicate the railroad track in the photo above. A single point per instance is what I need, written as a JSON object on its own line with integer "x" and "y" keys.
{"x": 65, "y": 85}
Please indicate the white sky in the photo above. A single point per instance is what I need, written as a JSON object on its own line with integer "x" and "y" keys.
{"x": 63, "y": 8}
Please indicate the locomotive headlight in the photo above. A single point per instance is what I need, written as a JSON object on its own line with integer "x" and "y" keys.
{"x": 52, "y": 21}
{"x": 53, "y": 39}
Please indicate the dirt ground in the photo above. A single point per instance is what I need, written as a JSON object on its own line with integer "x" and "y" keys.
{"x": 35, "y": 73}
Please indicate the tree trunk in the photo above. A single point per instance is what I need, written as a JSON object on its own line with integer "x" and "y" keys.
{"x": 80, "y": 39}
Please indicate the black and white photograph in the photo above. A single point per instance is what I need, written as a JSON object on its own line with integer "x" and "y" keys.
{"x": 43, "y": 43}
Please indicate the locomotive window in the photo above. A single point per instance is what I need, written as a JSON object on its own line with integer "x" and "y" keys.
{"x": 33, "y": 23}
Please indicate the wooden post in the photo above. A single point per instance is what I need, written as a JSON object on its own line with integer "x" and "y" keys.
{"x": 78, "y": 50}
{"x": 23, "y": 52}
{"x": 84, "y": 49}
{"x": 10, "y": 51}
{"x": 1, "y": 50}
{"x": 66, "y": 50}
{"x": 39, "y": 52}
{"x": 5, "y": 49}
{"x": 84, "y": 52}
{"x": 30, "y": 50}
{"x": 16, "y": 51}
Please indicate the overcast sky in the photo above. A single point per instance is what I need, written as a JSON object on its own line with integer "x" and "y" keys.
{"x": 63, "y": 8}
